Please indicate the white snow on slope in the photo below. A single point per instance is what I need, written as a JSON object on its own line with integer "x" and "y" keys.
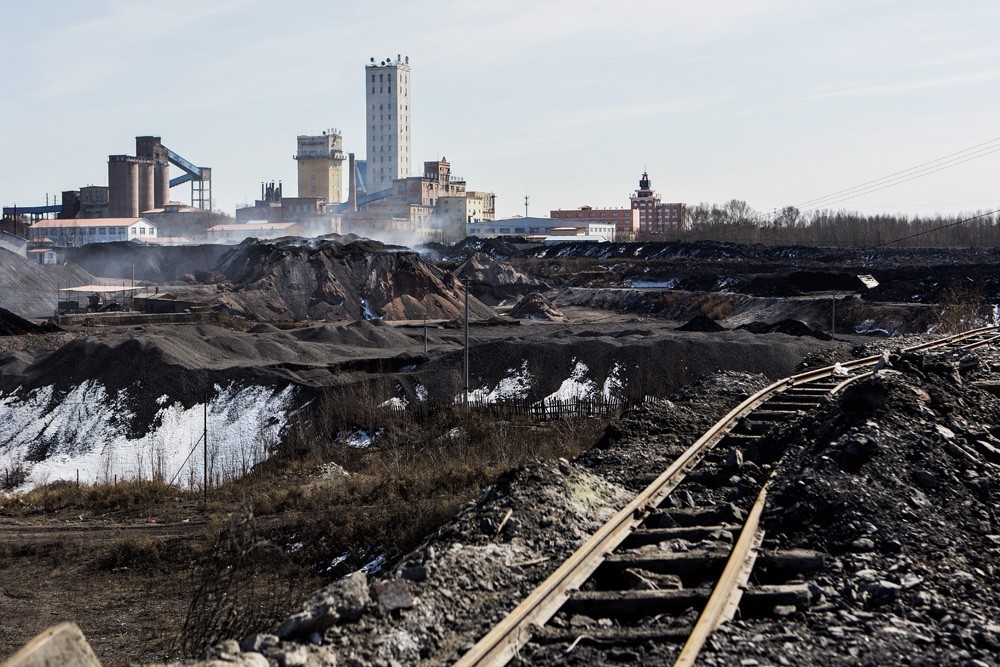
{"x": 515, "y": 385}
{"x": 613, "y": 384}
{"x": 576, "y": 386}
{"x": 87, "y": 430}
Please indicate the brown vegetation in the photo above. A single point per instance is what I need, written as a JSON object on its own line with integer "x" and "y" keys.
{"x": 266, "y": 539}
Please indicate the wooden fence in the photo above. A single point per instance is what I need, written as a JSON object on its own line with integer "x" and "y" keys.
{"x": 543, "y": 410}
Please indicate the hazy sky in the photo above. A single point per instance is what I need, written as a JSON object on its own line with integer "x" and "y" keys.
{"x": 776, "y": 102}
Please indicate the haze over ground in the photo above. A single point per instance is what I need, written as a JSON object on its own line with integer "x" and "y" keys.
{"x": 774, "y": 102}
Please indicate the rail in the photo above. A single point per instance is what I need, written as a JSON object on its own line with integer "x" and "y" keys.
{"x": 502, "y": 642}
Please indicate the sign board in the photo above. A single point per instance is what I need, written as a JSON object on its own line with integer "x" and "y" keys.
{"x": 869, "y": 281}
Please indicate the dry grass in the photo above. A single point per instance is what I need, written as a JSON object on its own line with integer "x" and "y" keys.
{"x": 961, "y": 308}
{"x": 421, "y": 469}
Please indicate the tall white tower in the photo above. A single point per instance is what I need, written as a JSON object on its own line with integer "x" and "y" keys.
{"x": 387, "y": 90}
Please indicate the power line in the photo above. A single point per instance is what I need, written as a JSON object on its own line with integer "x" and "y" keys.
{"x": 902, "y": 180}
{"x": 934, "y": 229}
{"x": 984, "y": 148}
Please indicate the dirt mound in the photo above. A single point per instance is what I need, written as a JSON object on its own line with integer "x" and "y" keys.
{"x": 12, "y": 325}
{"x": 146, "y": 262}
{"x": 495, "y": 248}
{"x": 292, "y": 279}
{"x": 360, "y": 334}
{"x": 789, "y": 327}
{"x": 535, "y": 306}
{"x": 30, "y": 289}
{"x": 493, "y": 280}
{"x": 701, "y": 323}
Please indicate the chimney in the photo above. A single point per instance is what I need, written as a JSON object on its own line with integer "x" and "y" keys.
{"x": 352, "y": 185}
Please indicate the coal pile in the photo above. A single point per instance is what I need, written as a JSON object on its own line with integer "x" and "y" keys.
{"x": 899, "y": 485}
{"x": 30, "y": 289}
{"x": 788, "y": 327}
{"x": 493, "y": 281}
{"x": 338, "y": 279}
{"x": 701, "y": 323}
{"x": 12, "y": 325}
{"x": 535, "y": 306}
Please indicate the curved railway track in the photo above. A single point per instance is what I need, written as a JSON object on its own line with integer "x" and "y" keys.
{"x": 612, "y": 577}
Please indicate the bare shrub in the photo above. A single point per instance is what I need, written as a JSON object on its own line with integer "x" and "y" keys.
{"x": 242, "y": 586}
{"x": 13, "y": 476}
{"x": 136, "y": 552}
{"x": 961, "y": 308}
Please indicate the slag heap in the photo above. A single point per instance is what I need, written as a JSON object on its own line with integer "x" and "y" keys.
{"x": 339, "y": 279}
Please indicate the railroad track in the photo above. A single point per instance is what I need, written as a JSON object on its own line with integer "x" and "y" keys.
{"x": 621, "y": 575}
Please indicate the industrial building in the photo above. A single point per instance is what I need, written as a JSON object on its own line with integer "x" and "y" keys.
{"x": 321, "y": 166}
{"x": 625, "y": 220}
{"x": 313, "y": 214}
{"x": 656, "y": 217}
{"x": 78, "y": 232}
{"x": 646, "y": 214}
{"x": 142, "y": 182}
{"x": 434, "y": 206}
{"x": 136, "y": 184}
{"x": 543, "y": 228}
{"x": 239, "y": 232}
{"x": 387, "y": 111}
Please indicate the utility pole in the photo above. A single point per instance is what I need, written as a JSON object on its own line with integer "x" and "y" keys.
{"x": 833, "y": 315}
{"x": 465, "y": 393}
{"x": 204, "y": 450}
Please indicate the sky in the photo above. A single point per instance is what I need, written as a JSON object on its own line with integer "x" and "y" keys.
{"x": 775, "y": 102}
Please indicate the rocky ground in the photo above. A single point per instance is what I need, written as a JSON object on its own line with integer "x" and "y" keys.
{"x": 896, "y": 481}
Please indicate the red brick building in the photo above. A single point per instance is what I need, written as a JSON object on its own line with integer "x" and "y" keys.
{"x": 626, "y": 220}
{"x": 656, "y": 217}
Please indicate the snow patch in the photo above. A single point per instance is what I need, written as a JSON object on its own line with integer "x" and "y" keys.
{"x": 655, "y": 284}
{"x": 367, "y": 312}
{"x": 576, "y": 386}
{"x": 88, "y": 431}
{"x": 515, "y": 385}
{"x": 613, "y": 384}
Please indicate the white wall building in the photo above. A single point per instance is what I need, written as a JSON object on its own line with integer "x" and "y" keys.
{"x": 387, "y": 93}
{"x": 540, "y": 227}
{"x": 81, "y": 231}
{"x": 241, "y": 231}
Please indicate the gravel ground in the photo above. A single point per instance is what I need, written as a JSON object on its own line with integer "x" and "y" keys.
{"x": 896, "y": 481}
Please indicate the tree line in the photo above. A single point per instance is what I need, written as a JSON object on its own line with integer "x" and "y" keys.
{"x": 737, "y": 222}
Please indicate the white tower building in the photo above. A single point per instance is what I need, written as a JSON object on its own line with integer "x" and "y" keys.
{"x": 387, "y": 88}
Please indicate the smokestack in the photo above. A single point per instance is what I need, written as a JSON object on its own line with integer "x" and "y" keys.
{"x": 352, "y": 185}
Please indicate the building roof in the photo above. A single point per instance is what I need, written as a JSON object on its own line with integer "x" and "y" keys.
{"x": 251, "y": 226}
{"x": 162, "y": 240}
{"x": 519, "y": 220}
{"x": 596, "y": 238}
{"x": 180, "y": 207}
{"x": 88, "y": 222}
{"x": 100, "y": 288}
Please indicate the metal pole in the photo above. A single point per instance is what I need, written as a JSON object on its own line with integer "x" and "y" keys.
{"x": 465, "y": 399}
{"x": 205, "y": 457}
